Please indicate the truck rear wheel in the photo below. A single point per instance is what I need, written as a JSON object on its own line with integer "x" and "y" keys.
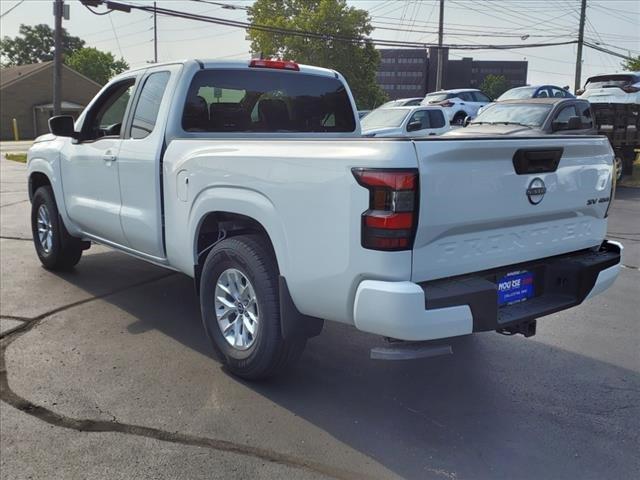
{"x": 56, "y": 248}
{"x": 241, "y": 311}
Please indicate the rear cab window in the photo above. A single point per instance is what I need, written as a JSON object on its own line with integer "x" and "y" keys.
{"x": 266, "y": 101}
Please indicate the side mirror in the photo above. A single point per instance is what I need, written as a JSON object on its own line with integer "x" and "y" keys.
{"x": 467, "y": 121}
{"x": 413, "y": 126}
{"x": 62, "y": 126}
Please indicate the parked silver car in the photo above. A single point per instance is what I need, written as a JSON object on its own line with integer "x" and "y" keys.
{"x": 532, "y": 117}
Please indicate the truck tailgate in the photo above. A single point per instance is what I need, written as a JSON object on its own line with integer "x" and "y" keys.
{"x": 477, "y": 212}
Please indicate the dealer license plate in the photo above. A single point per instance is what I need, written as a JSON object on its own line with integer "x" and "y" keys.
{"x": 515, "y": 287}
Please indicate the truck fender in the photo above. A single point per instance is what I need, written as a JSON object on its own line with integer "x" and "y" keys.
{"x": 240, "y": 201}
{"x": 38, "y": 165}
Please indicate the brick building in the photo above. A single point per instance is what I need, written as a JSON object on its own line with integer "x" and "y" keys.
{"x": 412, "y": 73}
{"x": 26, "y": 94}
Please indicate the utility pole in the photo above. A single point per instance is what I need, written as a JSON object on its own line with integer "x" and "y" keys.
{"x": 583, "y": 14}
{"x": 440, "y": 67}
{"x": 155, "y": 34}
{"x": 58, "y": 7}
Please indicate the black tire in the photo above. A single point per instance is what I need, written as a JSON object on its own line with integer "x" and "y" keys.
{"x": 458, "y": 118}
{"x": 618, "y": 164}
{"x": 63, "y": 251}
{"x": 268, "y": 354}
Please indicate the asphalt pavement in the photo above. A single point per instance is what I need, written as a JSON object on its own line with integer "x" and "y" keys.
{"x": 105, "y": 372}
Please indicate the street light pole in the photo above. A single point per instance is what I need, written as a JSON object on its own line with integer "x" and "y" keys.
{"x": 58, "y": 7}
{"x": 155, "y": 34}
{"x": 440, "y": 67}
{"x": 583, "y": 15}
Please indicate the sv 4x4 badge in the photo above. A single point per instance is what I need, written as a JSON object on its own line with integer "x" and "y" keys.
{"x": 593, "y": 201}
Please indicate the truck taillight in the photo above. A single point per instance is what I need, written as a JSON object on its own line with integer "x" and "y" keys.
{"x": 391, "y": 220}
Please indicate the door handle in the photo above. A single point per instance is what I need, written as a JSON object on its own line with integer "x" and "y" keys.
{"x": 109, "y": 157}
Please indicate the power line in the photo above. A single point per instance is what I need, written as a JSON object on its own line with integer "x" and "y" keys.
{"x": 615, "y": 15}
{"x": 12, "y": 8}
{"x": 116, "y": 37}
{"x": 464, "y": 34}
{"x": 434, "y": 24}
{"x": 228, "y": 6}
{"x": 327, "y": 36}
{"x": 606, "y": 50}
{"x": 507, "y": 19}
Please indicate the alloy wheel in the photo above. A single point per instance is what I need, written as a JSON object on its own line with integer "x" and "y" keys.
{"x": 236, "y": 309}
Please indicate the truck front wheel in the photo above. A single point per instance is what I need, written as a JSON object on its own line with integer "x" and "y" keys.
{"x": 56, "y": 248}
{"x": 241, "y": 311}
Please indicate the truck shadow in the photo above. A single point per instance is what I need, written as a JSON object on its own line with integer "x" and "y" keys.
{"x": 498, "y": 408}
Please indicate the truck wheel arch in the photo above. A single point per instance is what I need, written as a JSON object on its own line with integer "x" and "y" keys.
{"x": 209, "y": 233}
{"x": 214, "y": 226}
{"x": 37, "y": 180}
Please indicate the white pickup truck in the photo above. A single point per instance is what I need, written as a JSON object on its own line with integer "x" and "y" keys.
{"x": 253, "y": 179}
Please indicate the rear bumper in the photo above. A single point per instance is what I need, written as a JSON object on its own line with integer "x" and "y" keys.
{"x": 468, "y": 303}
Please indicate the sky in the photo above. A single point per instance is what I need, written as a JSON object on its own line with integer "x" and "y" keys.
{"x": 613, "y": 23}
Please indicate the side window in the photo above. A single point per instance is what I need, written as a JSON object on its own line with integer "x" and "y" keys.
{"x": 421, "y": 118}
{"x": 481, "y": 97}
{"x": 542, "y": 93}
{"x": 565, "y": 114}
{"x": 106, "y": 116}
{"x": 585, "y": 116}
{"x": 557, "y": 93}
{"x": 146, "y": 111}
{"x": 436, "y": 119}
{"x": 465, "y": 96}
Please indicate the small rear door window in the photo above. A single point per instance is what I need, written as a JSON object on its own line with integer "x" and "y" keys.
{"x": 585, "y": 115}
{"x": 268, "y": 101}
{"x": 146, "y": 113}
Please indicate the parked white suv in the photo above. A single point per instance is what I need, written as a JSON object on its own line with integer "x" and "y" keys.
{"x": 458, "y": 104}
{"x": 612, "y": 88}
{"x": 418, "y": 121}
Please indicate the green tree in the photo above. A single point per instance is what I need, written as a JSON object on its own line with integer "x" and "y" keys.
{"x": 357, "y": 61}
{"x": 495, "y": 85}
{"x": 34, "y": 44}
{"x": 97, "y": 65}
{"x": 631, "y": 64}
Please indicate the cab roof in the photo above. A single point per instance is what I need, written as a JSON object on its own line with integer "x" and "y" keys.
{"x": 240, "y": 64}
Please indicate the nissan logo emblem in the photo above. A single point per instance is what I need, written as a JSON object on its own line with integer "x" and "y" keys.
{"x": 536, "y": 191}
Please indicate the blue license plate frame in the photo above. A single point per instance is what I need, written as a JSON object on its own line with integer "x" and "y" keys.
{"x": 515, "y": 287}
